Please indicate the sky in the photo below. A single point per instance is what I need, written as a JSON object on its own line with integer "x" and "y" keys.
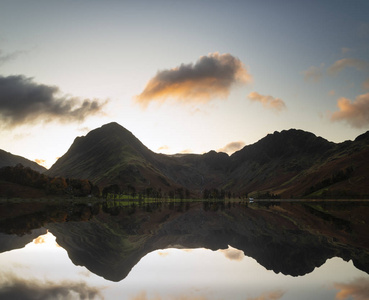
{"x": 186, "y": 274}
{"x": 182, "y": 76}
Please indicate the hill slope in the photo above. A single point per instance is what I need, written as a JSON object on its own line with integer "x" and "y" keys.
{"x": 291, "y": 163}
{"x": 8, "y": 159}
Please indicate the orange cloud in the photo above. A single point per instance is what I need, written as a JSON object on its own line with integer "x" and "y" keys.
{"x": 232, "y": 147}
{"x": 355, "y": 113}
{"x": 41, "y": 162}
{"x": 341, "y": 64}
{"x": 273, "y": 295}
{"x": 268, "y": 101}
{"x": 39, "y": 240}
{"x": 210, "y": 77}
{"x": 165, "y": 147}
{"x": 163, "y": 254}
{"x": 356, "y": 290}
{"x": 186, "y": 151}
{"x": 314, "y": 73}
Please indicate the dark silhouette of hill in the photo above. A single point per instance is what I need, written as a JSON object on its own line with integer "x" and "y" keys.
{"x": 291, "y": 163}
{"x": 292, "y": 238}
{"x": 10, "y": 160}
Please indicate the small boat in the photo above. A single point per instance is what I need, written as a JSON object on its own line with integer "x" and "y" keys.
{"x": 251, "y": 200}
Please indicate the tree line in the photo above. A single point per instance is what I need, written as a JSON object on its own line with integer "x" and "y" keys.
{"x": 51, "y": 185}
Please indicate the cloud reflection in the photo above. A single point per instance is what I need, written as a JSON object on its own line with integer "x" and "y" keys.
{"x": 233, "y": 254}
{"x": 272, "y": 295}
{"x": 356, "y": 290}
{"x": 14, "y": 287}
{"x": 143, "y": 296}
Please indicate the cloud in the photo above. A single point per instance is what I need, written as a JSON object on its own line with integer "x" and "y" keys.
{"x": 232, "y": 147}
{"x": 332, "y": 93}
{"x": 356, "y": 290}
{"x": 13, "y": 287}
{"x": 273, "y": 295}
{"x": 41, "y": 162}
{"x": 341, "y": 64}
{"x": 314, "y": 73}
{"x": 165, "y": 147}
{"x": 163, "y": 253}
{"x": 268, "y": 101}
{"x": 186, "y": 151}
{"x": 22, "y": 101}
{"x": 7, "y": 57}
{"x": 210, "y": 77}
{"x": 366, "y": 84}
{"x": 364, "y": 30}
{"x": 355, "y": 113}
{"x": 39, "y": 240}
{"x": 233, "y": 254}
{"x": 345, "y": 50}
{"x": 143, "y": 296}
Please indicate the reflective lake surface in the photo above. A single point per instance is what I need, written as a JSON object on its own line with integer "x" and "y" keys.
{"x": 208, "y": 250}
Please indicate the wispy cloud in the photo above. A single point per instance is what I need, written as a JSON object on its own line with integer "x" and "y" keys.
{"x": 269, "y": 102}
{"x": 210, "y": 77}
{"x": 366, "y": 84}
{"x": 356, "y": 290}
{"x": 8, "y": 57}
{"x": 14, "y": 287}
{"x": 273, "y": 295}
{"x": 341, "y": 64}
{"x": 363, "y": 30}
{"x": 314, "y": 73}
{"x": 355, "y": 113}
{"x": 22, "y": 101}
{"x": 186, "y": 151}
{"x": 164, "y": 147}
{"x": 232, "y": 147}
{"x": 345, "y": 50}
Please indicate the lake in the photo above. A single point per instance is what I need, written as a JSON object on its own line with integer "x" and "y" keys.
{"x": 266, "y": 250}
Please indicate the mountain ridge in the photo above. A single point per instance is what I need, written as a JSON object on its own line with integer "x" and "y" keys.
{"x": 291, "y": 163}
{"x": 9, "y": 159}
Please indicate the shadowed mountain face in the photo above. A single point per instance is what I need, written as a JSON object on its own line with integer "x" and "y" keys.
{"x": 8, "y": 159}
{"x": 291, "y": 163}
{"x": 288, "y": 237}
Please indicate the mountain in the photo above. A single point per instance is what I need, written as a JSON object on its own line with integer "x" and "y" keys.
{"x": 292, "y": 238}
{"x": 8, "y": 159}
{"x": 111, "y": 155}
{"x": 291, "y": 163}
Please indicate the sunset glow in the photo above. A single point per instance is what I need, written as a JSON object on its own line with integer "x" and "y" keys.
{"x": 180, "y": 75}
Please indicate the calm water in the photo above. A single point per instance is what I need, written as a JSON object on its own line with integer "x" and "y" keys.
{"x": 211, "y": 250}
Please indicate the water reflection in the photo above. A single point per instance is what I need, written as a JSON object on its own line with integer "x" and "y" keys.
{"x": 186, "y": 251}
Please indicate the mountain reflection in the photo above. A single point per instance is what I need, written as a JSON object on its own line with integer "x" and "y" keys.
{"x": 109, "y": 239}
